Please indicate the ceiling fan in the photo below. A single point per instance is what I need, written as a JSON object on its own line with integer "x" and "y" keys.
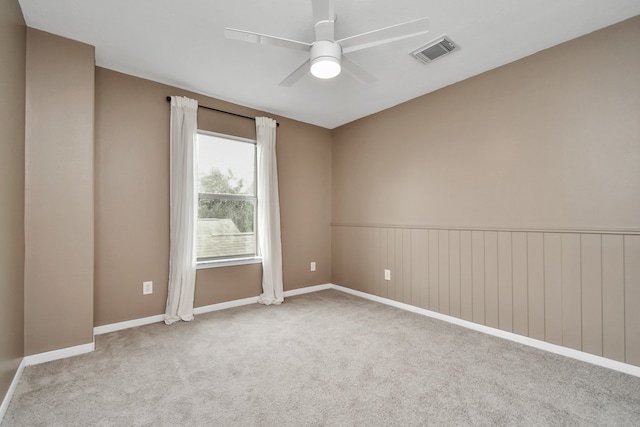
{"x": 327, "y": 55}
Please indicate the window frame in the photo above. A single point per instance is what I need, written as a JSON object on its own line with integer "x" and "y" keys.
{"x": 230, "y": 260}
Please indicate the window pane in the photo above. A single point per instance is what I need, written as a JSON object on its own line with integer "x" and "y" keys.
{"x": 225, "y": 166}
{"x": 225, "y": 228}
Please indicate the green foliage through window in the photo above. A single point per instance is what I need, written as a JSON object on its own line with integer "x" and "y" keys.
{"x": 239, "y": 211}
{"x": 219, "y": 182}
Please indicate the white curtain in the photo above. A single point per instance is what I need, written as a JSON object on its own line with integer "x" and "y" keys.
{"x": 182, "y": 251}
{"x": 269, "y": 244}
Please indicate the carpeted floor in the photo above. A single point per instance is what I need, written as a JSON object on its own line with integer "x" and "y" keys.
{"x": 326, "y": 358}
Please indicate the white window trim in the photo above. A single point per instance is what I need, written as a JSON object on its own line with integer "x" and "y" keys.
{"x": 229, "y": 262}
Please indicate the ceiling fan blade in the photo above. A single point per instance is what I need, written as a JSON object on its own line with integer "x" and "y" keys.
{"x": 296, "y": 74}
{"x": 324, "y": 18}
{"x": 385, "y": 35}
{"x": 357, "y": 71}
{"x": 251, "y": 37}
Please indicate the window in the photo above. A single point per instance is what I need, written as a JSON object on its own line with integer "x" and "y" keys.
{"x": 226, "y": 227}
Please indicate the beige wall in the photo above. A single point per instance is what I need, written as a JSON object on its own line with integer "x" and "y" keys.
{"x": 132, "y": 199}
{"x": 463, "y": 194}
{"x": 12, "y": 87}
{"x": 548, "y": 141}
{"x": 58, "y": 193}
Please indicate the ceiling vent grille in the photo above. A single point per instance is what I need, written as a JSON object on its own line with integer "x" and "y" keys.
{"x": 435, "y": 49}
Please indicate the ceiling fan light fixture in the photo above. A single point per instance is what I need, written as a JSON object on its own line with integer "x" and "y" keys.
{"x": 325, "y": 67}
{"x": 325, "y": 59}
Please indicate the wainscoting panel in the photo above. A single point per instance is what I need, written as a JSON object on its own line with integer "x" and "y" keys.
{"x": 443, "y": 272}
{"x": 419, "y": 269}
{"x": 591, "y": 246}
{"x": 434, "y": 287}
{"x": 520, "y": 294}
{"x": 576, "y": 289}
{"x": 535, "y": 284}
{"x": 466, "y": 295}
{"x": 406, "y": 267}
{"x": 491, "y": 313}
{"x": 553, "y": 288}
{"x": 454, "y": 273}
{"x": 477, "y": 276}
{"x": 613, "y": 297}
{"x": 632, "y": 298}
{"x": 571, "y": 292}
{"x": 505, "y": 282}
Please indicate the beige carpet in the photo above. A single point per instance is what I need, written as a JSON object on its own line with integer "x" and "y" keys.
{"x": 326, "y": 358}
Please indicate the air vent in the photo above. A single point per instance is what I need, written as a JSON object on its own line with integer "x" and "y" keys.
{"x": 435, "y": 49}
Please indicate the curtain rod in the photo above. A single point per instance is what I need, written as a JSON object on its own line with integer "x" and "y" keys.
{"x": 224, "y": 112}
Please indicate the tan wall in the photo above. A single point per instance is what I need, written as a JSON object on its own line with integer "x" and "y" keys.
{"x": 12, "y": 87}
{"x": 58, "y": 193}
{"x": 548, "y": 141}
{"x": 132, "y": 199}
{"x": 475, "y": 181}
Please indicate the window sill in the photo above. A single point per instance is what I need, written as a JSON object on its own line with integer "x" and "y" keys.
{"x": 228, "y": 262}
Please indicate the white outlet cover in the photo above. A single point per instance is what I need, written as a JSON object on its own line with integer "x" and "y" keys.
{"x": 387, "y": 274}
{"x": 147, "y": 288}
{"x": 313, "y": 266}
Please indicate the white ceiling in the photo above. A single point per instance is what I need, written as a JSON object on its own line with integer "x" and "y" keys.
{"x": 181, "y": 43}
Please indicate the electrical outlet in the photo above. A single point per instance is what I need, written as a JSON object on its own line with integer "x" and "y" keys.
{"x": 313, "y": 266}
{"x": 387, "y": 274}
{"x": 147, "y": 288}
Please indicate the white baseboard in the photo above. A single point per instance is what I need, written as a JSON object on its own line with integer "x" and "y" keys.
{"x": 48, "y": 356}
{"x": 112, "y": 327}
{"x": 12, "y": 389}
{"x": 225, "y": 305}
{"x": 531, "y": 342}
{"x": 307, "y": 290}
{"x": 254, "y": 300}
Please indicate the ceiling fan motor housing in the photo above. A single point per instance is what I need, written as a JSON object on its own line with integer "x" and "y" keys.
{"x": 325, "y": 59}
